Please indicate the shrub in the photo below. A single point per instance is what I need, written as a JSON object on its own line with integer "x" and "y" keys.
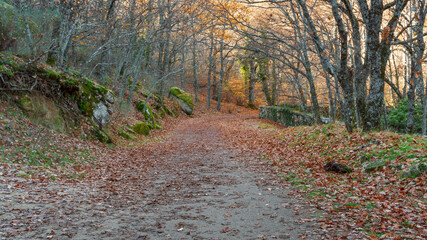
{"x": 398, "y": 116}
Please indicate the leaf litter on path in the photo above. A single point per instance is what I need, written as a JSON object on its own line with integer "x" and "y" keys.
{"x": 191, "y": 185}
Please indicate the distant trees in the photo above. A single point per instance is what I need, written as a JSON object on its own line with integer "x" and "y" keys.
{"x": 155, "y": 43}
{"x": 345, "y": 46}
{"x": 347, "y": 54}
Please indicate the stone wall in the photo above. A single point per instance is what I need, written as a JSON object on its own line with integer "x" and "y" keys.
{"x": 286, "y": 116}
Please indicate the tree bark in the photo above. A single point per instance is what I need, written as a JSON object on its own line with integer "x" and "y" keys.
{"x": 378, "y": 52}
{"x": 208, "y": 100}
{"x": 222, "y": 73}
{"x": 252, "y": 81}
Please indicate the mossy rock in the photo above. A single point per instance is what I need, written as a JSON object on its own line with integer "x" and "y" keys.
{"x": 415, "y": 170}
{"x": 184, "y": 100}
{"x": 180, "y": 94}
{"x": 43, "y": 111}
{"x": 148, "y": 114}
{"x": 140, "y": 106}
{"x": 372, "y": 166}
{"x": 101, "y": 135}
{"x": 90, "y": 95}
{"x": 142, "y": 128}
{"x": 125, "y": 135}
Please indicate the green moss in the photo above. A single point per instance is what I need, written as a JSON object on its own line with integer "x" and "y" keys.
{"x": 6, "y": 71}
{"x": 90, "y": 95}
{"x": 148, "y": 114}
{"x": 142, "y": 128}
{"x": 180, "y": 94}
{"x": 51, "y": 74}
{"x": 25, "y": 100}
{"x": 13, "y": 62}
{"x": 169, "y": 111}
{"x": 93, "y": 87}
{"x": 153, "y": 96}
{"x": 102, "y": 89}
{"x": 154, "y": 126}
{"x": 70, "y": 85}
{"x": 130, "y": 130}
{"x": 140, "y": 106}
{"x": 102, "y": 136}
{"x": 139, "y": 87}
{"x": 374, "y": 165}
{"x": 125, "y": 135}
{"x": 74, "y": 72}
{"x": 162, "y": 113}
{"x": 86, "y": 107}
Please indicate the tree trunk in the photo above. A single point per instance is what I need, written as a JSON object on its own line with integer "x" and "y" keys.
{"x": 52, "y": 56}
{"x": 360, "y": 76}
{"x": 274, "y": 83}
{"x": 345, "y": 77}
{"x": 252, "y": 81}
{"x": 183, "y": 71}
{"x": 208, "y": 100}
{"x": 321, "y": 52}
{"x": 263, "y": 77}
{"x": 221, "y": 77}
{"x": 195, "y": 83}
{"x": 378, "y": 53}
{"x": 411, "y": 103}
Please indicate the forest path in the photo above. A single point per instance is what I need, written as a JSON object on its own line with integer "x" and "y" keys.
{"x": 196, "y": 187}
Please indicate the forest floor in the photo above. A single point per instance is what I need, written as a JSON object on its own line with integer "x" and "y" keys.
{"x": 216, "y": 176}
{"x": 191, "y": 185}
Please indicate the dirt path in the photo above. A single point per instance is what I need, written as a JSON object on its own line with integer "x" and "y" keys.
{"x": 195, "y": 187}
